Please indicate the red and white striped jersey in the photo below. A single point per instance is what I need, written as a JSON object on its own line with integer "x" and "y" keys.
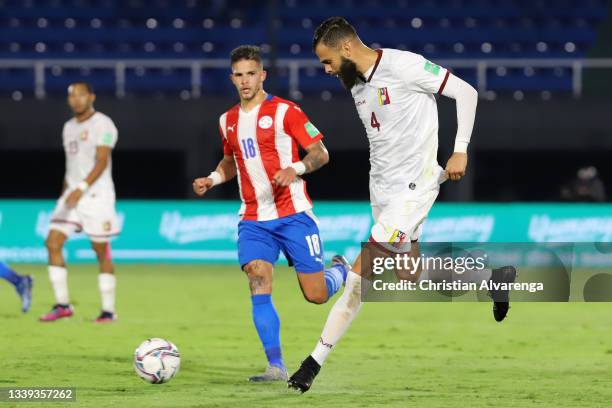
{"x": 263, "y": 141}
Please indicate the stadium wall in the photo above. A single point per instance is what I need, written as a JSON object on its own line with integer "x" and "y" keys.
{"x": 163, "y": 144}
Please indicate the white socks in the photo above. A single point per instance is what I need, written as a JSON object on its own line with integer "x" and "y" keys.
{"x": 107, "y": 283}
{"x": 58, "y": 275}
{"x": 340, "y": 317}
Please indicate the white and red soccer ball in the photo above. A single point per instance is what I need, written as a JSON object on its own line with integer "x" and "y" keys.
{"x": 157, "y": 360}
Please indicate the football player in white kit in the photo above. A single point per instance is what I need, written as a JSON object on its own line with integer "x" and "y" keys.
{"x": 394, "y": 92}
{"x": 87, "y": 202}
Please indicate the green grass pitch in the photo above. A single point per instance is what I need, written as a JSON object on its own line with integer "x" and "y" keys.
{"x": 396, "y": 354}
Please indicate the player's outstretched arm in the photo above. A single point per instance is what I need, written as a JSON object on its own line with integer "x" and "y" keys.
{"x": 103, "y": 154}
{"x": 226, "y": 170}
{"x": 316, "y": 157}
{"x": 466, "y": 98}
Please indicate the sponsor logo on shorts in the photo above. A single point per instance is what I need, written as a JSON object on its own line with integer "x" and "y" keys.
{"x": 107, "y": 226}
{"x": 398, "y": 238}
{"x": 412, "y": 186}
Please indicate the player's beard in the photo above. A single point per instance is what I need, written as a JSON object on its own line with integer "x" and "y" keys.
{"x": 348, "y": 73}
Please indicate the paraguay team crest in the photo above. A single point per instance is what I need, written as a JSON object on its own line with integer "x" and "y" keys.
{"x": 383, "y": 96}
{"x": 265, "y": 122}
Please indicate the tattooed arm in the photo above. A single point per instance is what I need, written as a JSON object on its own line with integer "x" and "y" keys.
{"x": 316, "y": 157}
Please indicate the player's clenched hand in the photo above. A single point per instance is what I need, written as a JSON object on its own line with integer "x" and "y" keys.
{"x": 456, "y": 165}
{"x": 202, "y": 185}
{"x": 73, "y": 198}
{"x": 284, "y": 177}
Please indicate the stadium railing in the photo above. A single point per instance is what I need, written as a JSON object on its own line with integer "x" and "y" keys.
{"x": 293, "y": 66}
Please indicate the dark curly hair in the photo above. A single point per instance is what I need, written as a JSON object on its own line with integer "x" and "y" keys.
{"x": 332, "y": 31}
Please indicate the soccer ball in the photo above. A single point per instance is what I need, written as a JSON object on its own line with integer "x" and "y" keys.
{"x": 157, "y": 360}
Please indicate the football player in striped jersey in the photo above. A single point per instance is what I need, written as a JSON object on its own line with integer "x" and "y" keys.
{"x": 261, "y": 138}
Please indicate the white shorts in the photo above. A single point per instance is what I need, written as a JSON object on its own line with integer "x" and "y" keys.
{"x": 400, "y": 221}
{"x": 94, "y": 214}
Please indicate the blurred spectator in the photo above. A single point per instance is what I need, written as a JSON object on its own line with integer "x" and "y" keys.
{"x": 587, "y": 186}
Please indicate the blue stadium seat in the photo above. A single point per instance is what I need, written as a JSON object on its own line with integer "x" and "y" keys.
{"x": 57, "y": 81}
{"x": 16, "y": 80}
{"x": 157, "y": 29}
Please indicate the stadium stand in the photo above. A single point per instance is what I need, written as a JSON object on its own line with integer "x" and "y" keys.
{"x": 205, "y": 30}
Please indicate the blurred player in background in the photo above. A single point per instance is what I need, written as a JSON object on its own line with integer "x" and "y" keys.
{"x": 22, "y": 284}
{"x": 87, "y": 202}
{"x": 260, "y": 138}
{"x": 394, "y": 95}
{"x": 586, "y": 186}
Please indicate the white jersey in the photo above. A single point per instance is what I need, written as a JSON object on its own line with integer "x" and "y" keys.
{"x": 398, "y": 110}
{"x": 80, "y": 142}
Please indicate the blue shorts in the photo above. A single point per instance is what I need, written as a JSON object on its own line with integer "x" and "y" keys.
{"x": 296, "y": 235}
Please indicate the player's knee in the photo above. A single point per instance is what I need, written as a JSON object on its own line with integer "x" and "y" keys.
{"x": 254, "y": 268}
{"x": 259, "y": 277}
{"x": 316, "y": 296}
{"x": 317, "y": 299}
{"x": 53, "y": 244}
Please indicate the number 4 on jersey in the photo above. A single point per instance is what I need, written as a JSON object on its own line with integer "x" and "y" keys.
{"x": 374, "y": 122}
